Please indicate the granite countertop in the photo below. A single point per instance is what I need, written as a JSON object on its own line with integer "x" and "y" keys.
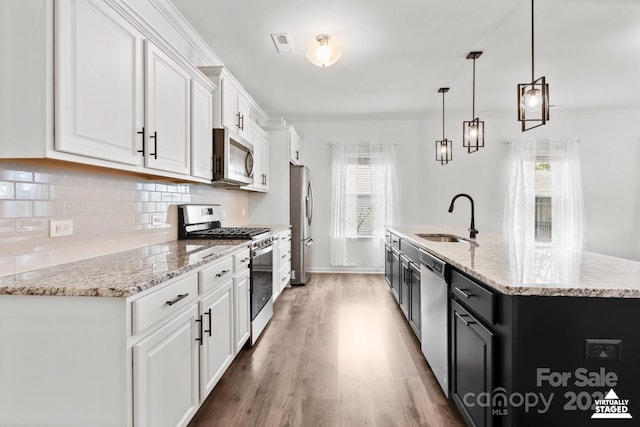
{"x": 121, "y": 274}
{"x": 491, "y": 260}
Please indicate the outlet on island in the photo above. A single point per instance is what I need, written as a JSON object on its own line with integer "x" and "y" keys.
{"x": 61, "y": 228}
{"x": 604, "y": 349}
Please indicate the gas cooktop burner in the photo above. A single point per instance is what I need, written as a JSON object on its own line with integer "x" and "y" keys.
{"x": 229, "y": 233}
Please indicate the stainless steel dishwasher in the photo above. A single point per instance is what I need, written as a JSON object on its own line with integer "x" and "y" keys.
{"x": 434, "y": 303}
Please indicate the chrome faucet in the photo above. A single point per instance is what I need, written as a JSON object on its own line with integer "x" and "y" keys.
{"x": 472, "y": 229}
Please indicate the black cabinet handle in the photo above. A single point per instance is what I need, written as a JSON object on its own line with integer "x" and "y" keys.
{"x": 208, "y": 313}
{"x": 242, "y": 122}
{"x": 244, "y": 260}
{"x": 297, "y": 155}
{"x": 142, "y": 133}
{"x": 199, "y": 320}
{"x": 155, "y": 145}
{"x": 464, "y": 293}
{"x": 222, "y": 273}
{"x": 238, "y": 124}
{"x": 461, "y": 318}
{"x": 178, "y": 298}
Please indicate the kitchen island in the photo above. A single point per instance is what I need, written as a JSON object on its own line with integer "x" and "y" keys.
{"x": 532, "y": 340}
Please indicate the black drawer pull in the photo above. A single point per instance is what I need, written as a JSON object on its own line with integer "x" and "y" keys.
{"x": 222, "y": 273}
{"x": 462, "y": 318}
{"x": 142, "y": 133}
{"x": 178, "y": 298}
{"x": 200, "y": 338}
{"x": 464, "y": 293}
{"x": 208, "y": 313}
{"x": 155, "y": 145}
{"x": 244, "y": 259}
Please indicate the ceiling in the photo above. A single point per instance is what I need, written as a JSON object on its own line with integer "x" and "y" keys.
{"x": 396, "y": 54}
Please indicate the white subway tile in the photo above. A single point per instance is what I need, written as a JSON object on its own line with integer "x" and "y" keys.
{"x": 7, "y": 266}
{"x": 32, "y": 191}
{"x": 6, "y": 190}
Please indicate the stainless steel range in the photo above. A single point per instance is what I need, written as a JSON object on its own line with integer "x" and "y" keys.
{"x": 205, "y": 222}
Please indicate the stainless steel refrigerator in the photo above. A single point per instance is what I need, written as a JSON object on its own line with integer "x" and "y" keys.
{"x": 301, "y": 205}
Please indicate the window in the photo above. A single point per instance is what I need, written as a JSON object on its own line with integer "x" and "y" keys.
{"x": 362, "y": 183}
{"x": 543, "y": 211}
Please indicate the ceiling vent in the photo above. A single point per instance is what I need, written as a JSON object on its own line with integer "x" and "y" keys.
{"x": 283, "y": 44}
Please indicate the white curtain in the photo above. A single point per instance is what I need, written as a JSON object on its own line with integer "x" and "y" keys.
{"x": 345, "y": 215}
{"x": 557, "y": 261}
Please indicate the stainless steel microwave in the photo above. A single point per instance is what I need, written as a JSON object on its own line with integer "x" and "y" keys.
{"x": 232, "y": 160}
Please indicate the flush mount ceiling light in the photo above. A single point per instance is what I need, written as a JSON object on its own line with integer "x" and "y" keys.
{"x": 473, "y": 130}
{"x": 444, "y": 147}
{"x": 323, "y": 55}
{"x": 533, "y": 97}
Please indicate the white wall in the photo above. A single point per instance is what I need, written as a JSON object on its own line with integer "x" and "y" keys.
{"x": 610, "y": 156}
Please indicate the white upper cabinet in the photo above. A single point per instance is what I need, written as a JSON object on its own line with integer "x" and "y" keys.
{"x": 167, "y": 117}
{"x": 201, "y": 130}
{"x": 235, "y": 108}
{"x": 261, "y": 155}
{"x": 99, "y": 83}
{"x": 294, "y": 147}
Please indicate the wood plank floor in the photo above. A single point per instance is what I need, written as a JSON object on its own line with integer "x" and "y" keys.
{"x": 338, "y": 352}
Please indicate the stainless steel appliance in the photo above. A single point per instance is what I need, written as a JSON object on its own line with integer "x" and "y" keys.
{"x": 434, "y": 301}
{"x": 232, "y": 160}
{"x": 301, "y": 214}
{"x": 204, "y": 222}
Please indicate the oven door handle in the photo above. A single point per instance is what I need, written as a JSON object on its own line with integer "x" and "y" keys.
{"x": 262, "y": 251}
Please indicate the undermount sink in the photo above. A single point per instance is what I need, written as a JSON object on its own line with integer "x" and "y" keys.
{"x": 443, "y": 238}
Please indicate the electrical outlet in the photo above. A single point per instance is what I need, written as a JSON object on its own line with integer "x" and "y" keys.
{"x": 244, "y": 212}
{"x": 604, "y": 349}
{"x": 156, "y": 219}
{"x": 61, "y": 228}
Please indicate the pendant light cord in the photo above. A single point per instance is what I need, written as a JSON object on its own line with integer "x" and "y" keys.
{"x": 533, "y": 78}
{"x": 473, "y": 97}
{"x": 443, "y": 115}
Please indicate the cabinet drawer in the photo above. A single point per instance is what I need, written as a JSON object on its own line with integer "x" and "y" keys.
{"x": 394, "y": 240}
{"x": 160, "y": 304}
{"x": 284, "y": 236}
{"x": 410, "y": 251}
{"x": 285, "y": 252}
{"x": 217, "y": 274}
{"x": 474, "y": 296}
{"x": 285, "y": 273}
{"x": 241, "y": 260}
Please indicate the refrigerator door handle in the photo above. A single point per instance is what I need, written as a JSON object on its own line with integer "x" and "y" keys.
{"x": 308, "y": 242}
{"x": 311, "y": 204}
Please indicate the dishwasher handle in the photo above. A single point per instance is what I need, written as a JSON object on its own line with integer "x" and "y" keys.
{"x": 435, "y": 265}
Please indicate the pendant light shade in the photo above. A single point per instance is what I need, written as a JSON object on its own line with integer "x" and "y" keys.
{"x": 533, "y": 97}
{"x": 444, "y": 146}
{"x": 473, "y": 130}
{"x": 323, "y": 55}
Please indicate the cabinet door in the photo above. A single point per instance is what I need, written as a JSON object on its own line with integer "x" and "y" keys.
{"x": 167, "y": 93}
{"x": 414, "y": 299}
{"x": 217, "y": 350}
{"x": 472, "y": 365}
{"x": 405, "y": 277}
{"x": 387, "y": 265}
{"x": 242, "y": 307}
{"x": 396, "y": 268}
{"x": 201, "y": 131}
{"x": 265, "y": 163}
{"x": 294, "y": 147}
{"x": 230, "y": 114}
{"x": 243, "y": 111}
{"x": 98, "y": 83}
{"x": 165, "y": 369}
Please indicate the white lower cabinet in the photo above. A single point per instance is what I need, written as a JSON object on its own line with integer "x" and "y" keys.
{"x": 165, "y": 368}
{"x": 242, "y": 288}
{"x": 282, "y": 262}
{"x": 217, "y": 346}
{"x": 148, "y": 360}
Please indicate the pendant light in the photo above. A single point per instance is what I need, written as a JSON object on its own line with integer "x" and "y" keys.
{"x": 323, "y": 55}
{"x": 444, "y": 153}
{"x": 473, "y": 130}
{"x": 533, "y": 97}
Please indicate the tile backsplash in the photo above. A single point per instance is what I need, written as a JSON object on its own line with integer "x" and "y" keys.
{"x": 110, "y": 213}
